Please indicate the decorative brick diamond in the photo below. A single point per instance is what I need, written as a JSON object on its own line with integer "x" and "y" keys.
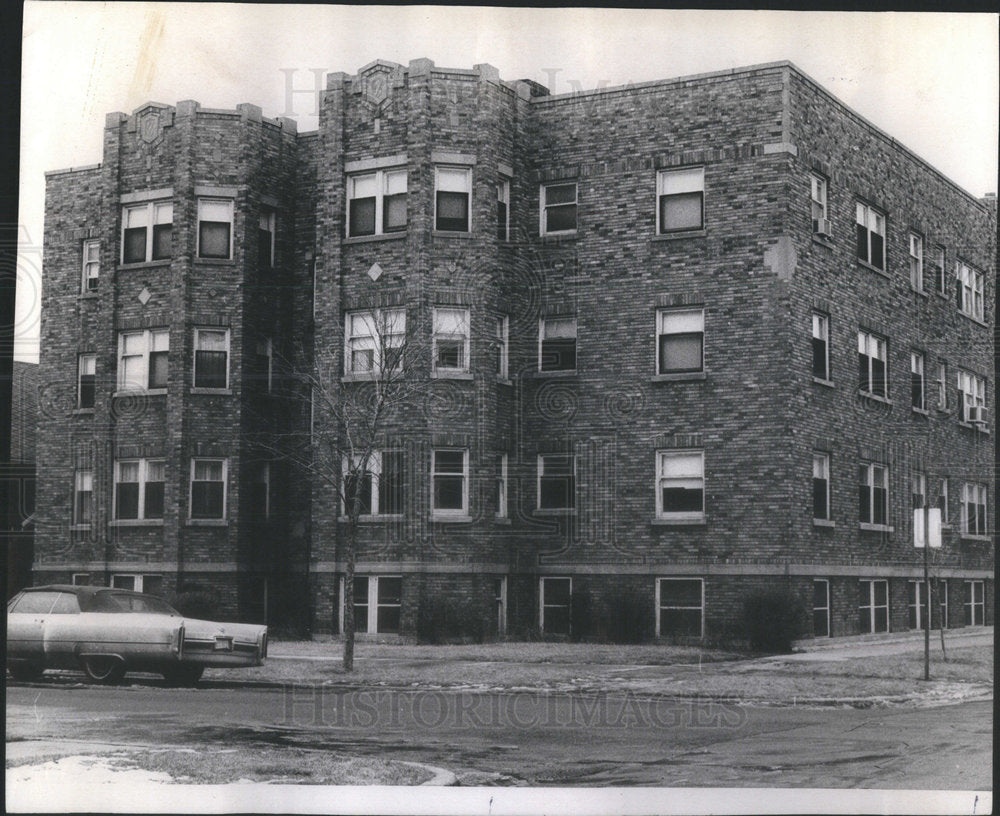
{"x": 144, "y": 296}
{"x": 375, "y": 272}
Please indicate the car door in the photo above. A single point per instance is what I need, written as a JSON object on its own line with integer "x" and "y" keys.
{"x": 62, "y": 632}
{"x": 26, "y": 619}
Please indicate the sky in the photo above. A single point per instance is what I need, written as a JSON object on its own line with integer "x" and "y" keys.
{"x": 929, "y": 79}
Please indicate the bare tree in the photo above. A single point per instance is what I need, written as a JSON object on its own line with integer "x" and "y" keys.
{"x": 350, "y": 417}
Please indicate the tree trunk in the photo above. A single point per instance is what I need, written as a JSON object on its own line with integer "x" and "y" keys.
{"x": 349, "y": 595}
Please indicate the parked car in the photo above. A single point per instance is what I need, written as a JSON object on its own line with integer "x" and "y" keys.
{"x": 108, "y": 632}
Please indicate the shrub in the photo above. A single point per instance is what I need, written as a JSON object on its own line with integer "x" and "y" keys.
{"x": 581, "y": 623}
{"x": 629, "y": 620}
{"x": 772, "y": 619}
{"x": 449, "y": 620}
{"x": 196, "y": 603}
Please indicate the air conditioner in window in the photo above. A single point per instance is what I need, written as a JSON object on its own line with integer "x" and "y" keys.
{"x": 821, "y": 226}
{"x": 979, "y": 416}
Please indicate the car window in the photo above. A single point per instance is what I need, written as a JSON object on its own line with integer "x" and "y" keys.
{"x": 66, "y": 604}
{"x": 127, "y": 602}
{"x": 35, "y": 603}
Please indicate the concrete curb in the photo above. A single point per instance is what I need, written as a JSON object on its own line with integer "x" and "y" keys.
{"x": 442, "y": 777}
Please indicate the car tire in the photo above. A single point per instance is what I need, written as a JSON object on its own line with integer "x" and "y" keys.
{"x": 103, "y": 668}
{"x": 183, "y": 675}
{"x": 25, "y": 671}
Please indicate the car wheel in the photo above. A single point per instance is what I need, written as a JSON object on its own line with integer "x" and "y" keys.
{"x": 103, "y": 668}
{"x": 25, "y": 671}
{"x": 183, "y": 675}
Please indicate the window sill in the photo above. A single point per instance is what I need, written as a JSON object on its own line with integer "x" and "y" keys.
{"x": 921, "y": 411}
{"x": 875, "y": 528}
{"x": 151, "y": 392}
{"x": 503, "y": 380}
{"x": 824, "y": 383}
{"x": 554, "y": 511}
{"x": 135, "y": 523}
{"x": 973, "y": 318}
{"x": 502, "y": 520}
{"x": 218, "y": 392}
{"x": 984, "y": 429}
{"x": 368, "y": 239}
{"x": 207, "y": 522}
{"x": 569, "y": 372}
{"x": 697, "y": 520}
{"x": 971, "y": 537}
{"x": 80, "y": 528}
{"x": 456, "y": 519}
{"x": 451, "y": 234}
{"x": 557, "y": 236}
{"x": 445, "y": 374}
{"x": 877, "y": 398}
{"x": 126, "y": 267}
{"x": 90, "y": 295}
{"x": 828, "y": 523}
{"x": 943, "y": 295}
{"x": 83, "y": 412}
{"x": 921, "y": 292}
{"x": 680, "y": 235}
{"x": 691, "y": 376}
{"x": 822, "y": 240}
{"x": 379, "y": 519}
{"x": 873, "y": 268}
{"x": 215, "y": 261}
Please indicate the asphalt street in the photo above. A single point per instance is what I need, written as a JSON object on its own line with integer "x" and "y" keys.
{"x": 539, "y": 738}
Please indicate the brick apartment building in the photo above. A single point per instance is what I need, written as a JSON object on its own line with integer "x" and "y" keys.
{"x": 676, "y": 342}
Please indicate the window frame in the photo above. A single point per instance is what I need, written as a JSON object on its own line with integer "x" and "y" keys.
{"x": 374, "y": 470}
{"x": 542, "y": 321}
{"x": 662, "y": 316}
{"x": 450, "y": 512}
{"x": 822, "y": 458}
{"x": 818, "y": 195}
{"x": 970, "y": 604}
{"x": 542, "y": 605}
{"x": 916, "y": 604}
{"x": 267, "y": 222}
{"x": 868, "y": 338}
{"x": 223, "y": 514}
{"x": 87, "y": 359}
{"x": 231, "y": 204}
{"x": 91, "y": 270}
{"x": 918, "y": 380}
{"x": 149, "y": 340}
{"x": 503, "y": 494}
{"x": 503, "y": 215}
{"x": 373, "y": 602}
{"x": 143, "y": 483}
{"x": 467, "y": 192}
{"x": 661, "y": 197}
{"x": 942, "y": 385}
{"x": 940, "y": 270}
{"x": 465, "y": 337}
{"x": 503, "y": 346}
{"x": 916, "y": 261}
{"x": 973, "y": 398}
{"x": 380, "y": 322}
{"x": 660, "y": 605}
{"x": 975, "y": 494}
{"x": 971, "y": 290}
{"x": 381, "y": 178}
{"x": 867, "y": 480}
{"x": 544, "y": 207}
{"x": 872, "y": 215}
{"x": 569, "y": 479}
{"x": 824, "y": 609}
{"x": 821, "y": 323}
{"x": 943, "y": 492}
{"x": 152, "y": 209}
{"x": 196, "y": 340}
{"x": 83, "y": 486}
{"x": 662, "y": 456}
{"x": 872, "y": 607}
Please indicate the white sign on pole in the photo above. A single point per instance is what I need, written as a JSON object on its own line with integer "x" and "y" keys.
{"x": 935, "y": 528}
{"x": 918, "y": 528}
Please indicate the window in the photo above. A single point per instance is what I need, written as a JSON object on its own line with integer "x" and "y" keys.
{"x": 938, "y": 262}
{"x": 821, "y": 226}
{"x": 821, "y": 607}
{"x": 265, "y": 364}
{"x": 211, "y": 358}
{"x": 81, "y": 579}
{"x": 142, "y": 359}
{"x": 502, "y": 486}
{"x": 942, "y": 593}
{"x": 147, "y": 584}
{"x": 86, "y": 385}
{"x": 872, "y": 368}
{"x": 378, "y": 487}
{"x": 260, "y": 492}
{"x": 374, "y": 341}
{"x": 942, "y": 386}
{"x": 680, "y": 606}
{"x": 972, "y": 389}
{"x": 916, "y": 262}
{"x": 83, "y": 496}
{"x": 91, "y": 265}
{"x": 382, "y": 594}
{"x": 215, "y": 228}
{"x": 265, "y": 238}
{"x": 680, "y": 198}
{"x": 139, "y": 489}
{"x": 557, "y": 344}
{"x": 873, "y": 494}
{"x": 871, "y": 236}
{"x": 918, "y": 488}
{"x": 680, "y": 484}
{"x": 558, "y": 208}
{"x": 821, "y": 486}
{"x": 502, "y": 349}
{"x": 451, "y": 339}
{"x": 916, "y": 603}
{"x": 450, "y": 479}
{"x": 821, "y": 346}
{"x": 146, "y": 231}
{"x": 453, "y": 191}
{"x": 943, "y": 501}
{"x": 917, "y": 399}
{"x": 975, "y": 606}
{"x": 970, "y": 291}
{"x": 974, "y": 509}
{"x": 873, "y": 607}
{"x": 556, "y": 481}
{"x": 376, "y": 203}
{"x": 500, "y": 606}
{"x": 208, "y": 488}
{"x": 680, "y": 341}
{"x": 555, "y": 595}
{"x": 503, "y": 209}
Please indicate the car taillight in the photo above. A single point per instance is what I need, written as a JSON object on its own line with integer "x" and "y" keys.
{"x": 263, "y": 645}
{"x": 180, "y": 641}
